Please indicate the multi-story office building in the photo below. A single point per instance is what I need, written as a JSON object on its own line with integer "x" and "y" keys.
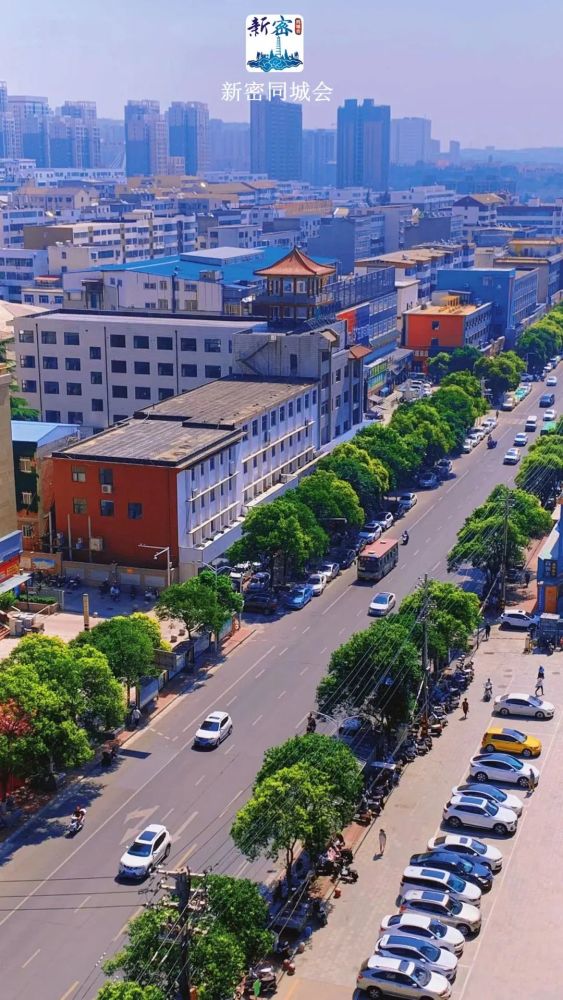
{"x": 276, "y": 132}
{"x": 348, "y": 238}
{"x": 146, "y": 139}
{"x": 18, "y": 269}
{"x": 319, "y": 156}
{"x": 446, "y": 325}
{"x": 422, "y": 264}
{"x": 85, "y": 110}
{"x": 513, "y": 293}
{"x": 33, "y": 443}
{"x": 546, "y": 219}
{"x": 13, "y": 221}
{"x": 10, "y": 537}
{"x": 188, "y": 125}
{"x": 363, "y": 145}
{"x": 45, "y": 293}
{"x": 183, "y": 474}
{"x": 410, "y": 140}
{"x": 229, "y": 146}
{"x": 8, "y": 147}
{"x": 477, "y": 210}
{"x": 545, "y": 255}
{"x": 31, "y": 118}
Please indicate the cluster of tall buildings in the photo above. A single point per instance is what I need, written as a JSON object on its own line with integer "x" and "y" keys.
{"x": 29, "y": 130}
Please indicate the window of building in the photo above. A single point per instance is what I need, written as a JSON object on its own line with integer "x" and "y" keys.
{"x": 212, "y": 463}
{"x": 79, "y": 505}
{"x": 26, "y": 465}
{"x": 254, "y": 428}
{"x": 71, "y": 340}
{"x": 27, "y": 361}
{"x": 282, "y": 445}
{"x": 75, "y": 417}
{"x": 119, "y": 391}
{"x": 264, "y": 423}
{"x": 97, "y": 405}
{"x": 293, "y": 363}
{"x": 72, "y": 364}
{"x": 105, "y": 477}
{"x": 50, "y": 363}
{"x": 213, "y": 371}
{"x": 346, "y": 396}
{"x": 298, "y": 404}
{"x": 314, "y": 396}
{"x": 290, "y": 409}
{"x": 95, "y": 354}
{"x": 165, "y": 394}
{"x": 211, "y": 496}
{"x": 245, "y": 466}
{"x": 142, "y": 367}
{"x": 117, "y": 340}
{"x": 48, "y": 337}
{"x": 26, "y": 497}
{"x": 106, "y": 508}
{"x": 53, "y": 416}
{"x": 212, "y": 345}
{"x": 435, "y": 324}
{"x": 119, "y": 367}
{"x": 142, "y": 392}
{"x": 282, "y": 414}
{"x": 189, "y": 371}
{"x": 163, "y": 285}
{"x": 164, "y": 344}
{"x": 51, "y": 388}
{"x": 273, "y": 418}
{"x": 27, "y": 531}
{"x": 26, "y": 337}
{"x": 74, "y": 388}
{"x": 338, "y": 401}
{"x": 141, "y": 343}
{"x": 134, "y": 511}
{"x": 188, "y": 344}
{"x": 255, "y": 462}
{"x": 96, "y": 378}
{"x": 165, "y": 369}
{"x": 338, "y": 375}
{"x": 29, "y": 385}
{"x": 325, "y": 380}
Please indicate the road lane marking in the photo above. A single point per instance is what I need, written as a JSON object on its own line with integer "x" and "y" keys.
{"x": 199, "y": 780}
{"x": 360, "y": 612}
{"x": 242, "y": 868}
{"x": 326, "y": 610}
{"x": 72, "y": 989}
{"x": 416, "y": 553}
{"x": 83, "y": 903}
{"x": 284, "y": 650}
{"x": 176, "y": 836}
{"x": 306, "y": 629}
{"x": 259, "y": 674}
{"x": 229, "y": 804}
{"x": 31, "y": 957}
{"x": 323, "y": 650}
{"x": 231, "y": 700}
{"x": 282, "y": 694}
{"x": 140, "y": 788}
{"x": 304, "y": 671}
{"x": 123, "y": 930}
{"x": 435, "y": 566}
{"x": 256, "y": 721}
{"x": 188, "y": 854}
{"x": 167, "y": 814}
{"x": 342, "y": 630}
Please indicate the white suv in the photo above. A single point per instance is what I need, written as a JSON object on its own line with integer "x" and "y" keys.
{"x": 147, "y": 850}
{"x": 397, "y": 977}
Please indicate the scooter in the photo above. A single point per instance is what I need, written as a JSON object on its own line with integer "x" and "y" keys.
{"x": 405, "y": 538}
{"x": 346, "y": 874}
{"x": 266, "y": 975}
{"x": 74, "y": 826}
{"x": 488, "y": 693}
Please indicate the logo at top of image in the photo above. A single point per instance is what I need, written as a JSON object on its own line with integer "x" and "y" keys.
{"x": 274, "y": 43}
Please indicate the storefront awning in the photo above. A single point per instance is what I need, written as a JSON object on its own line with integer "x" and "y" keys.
{"x": 13, "y": 581}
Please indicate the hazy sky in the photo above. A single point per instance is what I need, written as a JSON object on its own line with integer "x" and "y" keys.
{"x": 487, "y": 72}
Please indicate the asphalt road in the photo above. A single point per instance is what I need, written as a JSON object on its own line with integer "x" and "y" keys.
{"x": 62, "y": 911}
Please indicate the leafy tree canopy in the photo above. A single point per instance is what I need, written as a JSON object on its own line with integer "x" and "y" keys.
{"x": 129, "y": 991}
{"x": 368, "y": 476}
{"x": 128, "y": 645}
{"x": 206, "y": 601}
{"x": 329, "y": 497}
{"x": 452, "y": 616}
{"x": 462, "y": 359}
{"x": 502, "y": 372}
{"x": 285, "y": 532}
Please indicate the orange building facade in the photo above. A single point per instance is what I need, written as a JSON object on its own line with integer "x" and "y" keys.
{"x": 434, "y": 328}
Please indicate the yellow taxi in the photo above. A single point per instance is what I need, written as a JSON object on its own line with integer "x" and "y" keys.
{"x": 500, "y": 740}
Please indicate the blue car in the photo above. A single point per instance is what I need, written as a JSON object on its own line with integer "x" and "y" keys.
{"x": 477, "y": 872}
{"x": 299, "y": 596}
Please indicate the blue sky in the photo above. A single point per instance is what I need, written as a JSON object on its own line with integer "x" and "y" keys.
{"x": 486, "y": 72}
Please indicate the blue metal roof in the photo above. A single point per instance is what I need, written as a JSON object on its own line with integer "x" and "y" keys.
{"x": 35, "y": 431}
{"x": 238, "y": 271}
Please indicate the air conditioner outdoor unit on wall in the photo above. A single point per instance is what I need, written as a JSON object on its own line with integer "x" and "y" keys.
{"x": 96, "y": 544}
{"x": 106, "y": 488}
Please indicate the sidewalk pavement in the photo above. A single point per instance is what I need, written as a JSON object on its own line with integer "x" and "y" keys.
{"x": 329, "y": 965}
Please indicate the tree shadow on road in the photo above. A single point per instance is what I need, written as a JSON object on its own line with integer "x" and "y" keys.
{"x": 53, "y": 819}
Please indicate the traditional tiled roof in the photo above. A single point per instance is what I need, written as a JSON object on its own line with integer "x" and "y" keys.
{"x": 296, "y": 264}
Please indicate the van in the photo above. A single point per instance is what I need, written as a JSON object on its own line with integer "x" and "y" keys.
{"x": 531, "y": 424}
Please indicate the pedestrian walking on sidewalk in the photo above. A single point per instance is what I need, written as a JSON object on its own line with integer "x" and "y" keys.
{"x": 540, "y": 680}
{"x": 465, "y": 707}
{"x": 487, "y": 630}
{"x": 527, "y": 578}
{"x": 382, "y": 842}
{"x": 135, "y": 717}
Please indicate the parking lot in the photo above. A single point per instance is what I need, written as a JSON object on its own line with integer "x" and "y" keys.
{"x": 517, "y": 954}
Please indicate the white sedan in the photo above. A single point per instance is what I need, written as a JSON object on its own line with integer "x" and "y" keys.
{"x": 381, "y": 604}
{"x": 426, "y": 928}
{"x": 490, "y": 792}
{"x": 467, "y": 810}
{"x": 503, "y": 767}
{"x": 551, "y": 380}
{"x": 418, "y": 877}
{"x": 521, "y": 439}
{"x": 549, "y": 415}
{"x": 468, "y": 847}
{"x": 527, "y": 705}
{"x": 213, "y": 730}
{"x": 512, "y": 457}
{"x": 412, "y": 949}
{"x": 464, "y": 916}
{"x": 394, "y": 977}
{"x": 317, "y": 583}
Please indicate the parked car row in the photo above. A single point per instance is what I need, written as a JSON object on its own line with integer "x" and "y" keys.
{"x": 417, "y": 952}
{"x": 478, "y": 434}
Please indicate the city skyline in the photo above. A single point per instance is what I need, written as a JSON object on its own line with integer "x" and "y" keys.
{"x": 485, "y": 102}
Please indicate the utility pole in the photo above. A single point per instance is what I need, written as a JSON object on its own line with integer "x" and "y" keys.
{"x": 182, "y": 889}
{"x": 425, "y": 612}
{"x": 504, "y": 551}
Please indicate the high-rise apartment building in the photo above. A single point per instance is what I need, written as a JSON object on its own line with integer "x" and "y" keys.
{"x": 31, "y": 122}
{"x": 229, "y": 145}
{"x": 410, "y": 140}
{"x": 74, "y": 136}
{"x": 362, "y": 145}
{"x": 86, "y": 110}
{"x": 319, "y": 156}
{"x": 188, "y": 126}
{"x": 7, "y": 126}
{"x": 146, "y": 139}
{"x": 276, "y": 134}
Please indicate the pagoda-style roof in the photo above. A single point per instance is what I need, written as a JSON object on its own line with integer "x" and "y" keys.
{"x": 296, "y": 264}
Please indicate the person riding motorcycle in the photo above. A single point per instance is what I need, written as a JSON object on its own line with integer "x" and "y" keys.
{"x": 405, "y": 537}
{"x": 79, "y": 814}
{"x": 488, "y": 689}
{"x": 311, "y": 723}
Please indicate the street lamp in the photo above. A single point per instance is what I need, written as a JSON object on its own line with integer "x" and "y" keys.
{"x": 159, "y": 552}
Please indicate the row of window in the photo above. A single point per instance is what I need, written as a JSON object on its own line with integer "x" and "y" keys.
{"x": 280, "y": 414}
{"x": 107, "y": 508}
{"x": 119, "y": 391}
{"x": 211, "y": 345}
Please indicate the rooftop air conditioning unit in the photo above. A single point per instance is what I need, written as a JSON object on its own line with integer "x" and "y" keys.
{"x": 107, "y": 488}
